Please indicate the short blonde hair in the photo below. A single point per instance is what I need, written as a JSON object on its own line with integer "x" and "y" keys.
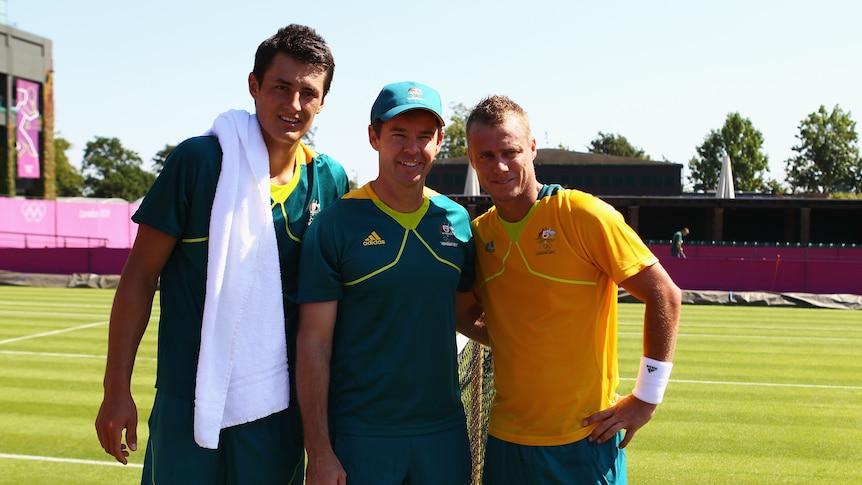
{"x": 495, "y": 110}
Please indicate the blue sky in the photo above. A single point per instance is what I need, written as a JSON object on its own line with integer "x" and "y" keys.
{"x": 663, "y": 74}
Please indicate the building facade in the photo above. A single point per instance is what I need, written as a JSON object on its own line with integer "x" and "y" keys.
{"x": 27, "y": 166}
{"x": 591, "y": 172}
{"x": 759, "y": 220}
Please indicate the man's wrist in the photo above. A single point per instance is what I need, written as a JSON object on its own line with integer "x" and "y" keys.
{"x": 653, "y": 376}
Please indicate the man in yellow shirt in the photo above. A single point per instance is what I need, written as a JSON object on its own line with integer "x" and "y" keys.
{"x": 548, "y": 264}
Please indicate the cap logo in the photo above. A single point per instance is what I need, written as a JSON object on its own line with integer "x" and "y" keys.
{"x": 414, "y": 94}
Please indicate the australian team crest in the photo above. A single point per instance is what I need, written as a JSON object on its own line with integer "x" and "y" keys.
{"x": 313, "y": 210}
{"x": 448, "y": 233}
{"x": 545, "y": 239}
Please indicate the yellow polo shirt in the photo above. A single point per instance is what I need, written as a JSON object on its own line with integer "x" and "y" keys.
{"x": 548, "y": 285}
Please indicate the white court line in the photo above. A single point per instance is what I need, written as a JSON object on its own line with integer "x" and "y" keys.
{"x": 51, "y": 354}
{"x": 687, "y": 381}
{"x": 68, "y": 460}
{"x": 764, "y": 337}
{"x": 20, "y": 313}
{"x": 761, "y": 384}
{"x": 65, "y": 356}
{"x": 40, "y": 304}
{"x": 750, "y": 327}
{"x": 53, "y": 332}
{"x": 764, "y": 327}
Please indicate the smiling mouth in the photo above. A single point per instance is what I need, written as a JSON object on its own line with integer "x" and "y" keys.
{"x": 409, "y": 164}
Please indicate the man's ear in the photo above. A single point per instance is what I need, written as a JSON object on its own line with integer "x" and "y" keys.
{"x": 372, "y": 138}
{"x": 253, "y": 85}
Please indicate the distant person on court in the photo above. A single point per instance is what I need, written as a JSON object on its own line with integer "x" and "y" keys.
{"x": 676, "y": 250}
{"x": 380, "y": 274}
{"x": 219, "y": 234}
{"x": 548, "y": 264}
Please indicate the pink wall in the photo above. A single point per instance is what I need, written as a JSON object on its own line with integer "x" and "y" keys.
{"x": 27, "y": 216}
{"x": 111, "y": 233}
{"x": 65, "y": 236}
{"x": 764, "y": 252}
{"x": 104, "y": 261}
{"x": 33, "y": 223}
{"x": 766, "y": 275}
{"x": 766, "y": 268}
{"x": 818, "y": 274}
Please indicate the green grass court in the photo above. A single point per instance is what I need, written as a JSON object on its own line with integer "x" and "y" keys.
{"x": 758, "y": 394}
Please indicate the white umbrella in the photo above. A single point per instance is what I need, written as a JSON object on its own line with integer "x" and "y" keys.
{"x": 471, "y": 185}
{"x": 725, "y": 180}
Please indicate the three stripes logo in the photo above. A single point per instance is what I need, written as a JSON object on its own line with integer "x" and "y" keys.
{"x": 373, "y": 239}
{"x": 651, "y": 368}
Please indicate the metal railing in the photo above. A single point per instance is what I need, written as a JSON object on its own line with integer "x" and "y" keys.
{"x": 31, "y": 240}
{"x": 758, "y": 250}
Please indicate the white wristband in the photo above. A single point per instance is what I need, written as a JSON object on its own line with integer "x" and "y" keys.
{"x": 653, "y": 376}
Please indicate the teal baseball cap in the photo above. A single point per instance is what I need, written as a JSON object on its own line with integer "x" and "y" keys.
{"x": 397, "y": 98}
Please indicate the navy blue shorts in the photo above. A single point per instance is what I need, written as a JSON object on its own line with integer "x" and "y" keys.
{"x": 576, "y": 463}
{"x": 266, "y": 451}
{"x": 431, "y": 459}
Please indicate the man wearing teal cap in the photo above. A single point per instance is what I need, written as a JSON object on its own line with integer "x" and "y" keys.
{"x": 380, "y": 274}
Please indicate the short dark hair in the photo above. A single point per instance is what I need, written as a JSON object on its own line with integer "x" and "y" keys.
{"x": 301, "y": 43}
{"x": 494, "y": 110}
{"x": 377, "y": 126}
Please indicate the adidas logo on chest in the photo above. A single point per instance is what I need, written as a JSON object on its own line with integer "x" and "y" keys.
{"x": 373, "y": 239}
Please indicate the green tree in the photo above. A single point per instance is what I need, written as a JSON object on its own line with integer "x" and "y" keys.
{"x": 308, "y": 137}
{"x": 743, "y": 143}
{"x": 113, "y": 171}
{"x": 161, "y": 157}
{"x": 827, "y": 158}
{"x": 70, "y": 182}
{"x": 615, "y": 144}
{"x": 455, "y": 141}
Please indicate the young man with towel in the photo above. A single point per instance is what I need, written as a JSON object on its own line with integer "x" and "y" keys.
{"x": 380, "y": 274}
{"x": 219, "y": 233}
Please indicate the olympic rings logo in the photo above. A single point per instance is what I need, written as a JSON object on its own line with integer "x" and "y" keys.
{"x": 33, "y": 211}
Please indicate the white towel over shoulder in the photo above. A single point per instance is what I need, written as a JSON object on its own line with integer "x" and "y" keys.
{"x": 242, "y": 368}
